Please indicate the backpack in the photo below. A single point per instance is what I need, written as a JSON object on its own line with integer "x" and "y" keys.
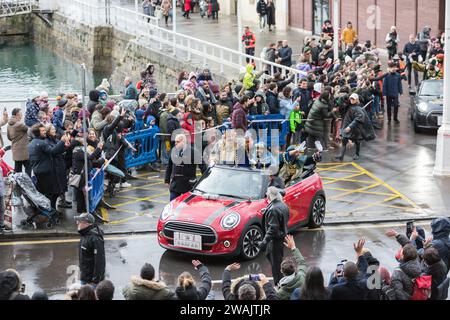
{"x": 422, "y": 288}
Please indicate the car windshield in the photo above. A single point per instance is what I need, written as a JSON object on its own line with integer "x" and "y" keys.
{"x": 234, "y": 183}
{"x": 432, "y": 88}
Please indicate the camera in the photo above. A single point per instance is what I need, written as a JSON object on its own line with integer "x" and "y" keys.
{"x": 22, "y": 288}
{"x": 254, "y": 277}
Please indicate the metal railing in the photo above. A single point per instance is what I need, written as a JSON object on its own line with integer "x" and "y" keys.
{"x": 15, "y": 7}
{"x": 148, "y": 32}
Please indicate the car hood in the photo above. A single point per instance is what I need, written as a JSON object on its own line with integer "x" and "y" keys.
{"x": 434, "y": 103}
{"x": 197, "y": 209}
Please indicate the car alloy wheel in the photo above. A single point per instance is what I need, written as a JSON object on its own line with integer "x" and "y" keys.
{"x": 317, "y": 212}
{"x": 250, "y": 243}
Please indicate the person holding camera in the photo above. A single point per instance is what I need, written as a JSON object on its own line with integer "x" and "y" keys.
{"x": 11, "y": 286}
{"x": 252, "y": 287}
{"x": 275, "y": 223}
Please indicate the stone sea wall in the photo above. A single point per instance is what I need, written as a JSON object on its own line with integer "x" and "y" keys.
{"x": 103, "y": 49}
{"x": 15, "y": 30}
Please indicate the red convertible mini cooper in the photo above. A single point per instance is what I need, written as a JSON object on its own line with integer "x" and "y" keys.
{"x": 223, "y": 215}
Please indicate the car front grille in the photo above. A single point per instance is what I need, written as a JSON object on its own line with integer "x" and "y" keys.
{"x": 208, "y": 235}
{"x": 432, "y": 118}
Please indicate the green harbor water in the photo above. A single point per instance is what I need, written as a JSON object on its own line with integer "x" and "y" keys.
{"x": 26, "y": 71}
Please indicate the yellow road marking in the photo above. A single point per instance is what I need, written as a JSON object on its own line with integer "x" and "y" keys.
{"x": 364, "y": 192}
{"x": 409, "y": 209}
{"x": 354, "y": 191}
{"x": 371, "y": 175}
{"x": 395, "y": 196}
{"x": 334, "y": 180}
{"x": 141, "y": 199}
{"x": 105, "y": 214}
{"x": 337, "y": 170}
{"x": 144, "y": 186}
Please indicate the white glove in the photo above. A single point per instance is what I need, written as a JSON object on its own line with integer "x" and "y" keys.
{"x": 319, "y": 146}
{"x": 302, "y": 147}
{"x": 252, "y": 162}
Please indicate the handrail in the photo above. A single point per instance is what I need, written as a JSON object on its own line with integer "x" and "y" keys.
{"x": 136, "y": 23}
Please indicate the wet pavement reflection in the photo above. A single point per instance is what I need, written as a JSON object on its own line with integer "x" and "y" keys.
{"x": 51, "y": 265}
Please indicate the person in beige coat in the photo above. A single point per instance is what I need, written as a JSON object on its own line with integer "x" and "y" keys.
{"x": 165, "y": 8}
{"x": 17, "y": 133}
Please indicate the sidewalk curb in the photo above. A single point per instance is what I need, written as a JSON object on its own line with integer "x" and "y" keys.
{"x": 355, "y": 222}
{"x": 7, "y": 237}
{"x": 68, "y": 235}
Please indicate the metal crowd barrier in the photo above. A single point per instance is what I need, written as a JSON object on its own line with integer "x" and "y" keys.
{"x": 267, "y": 124}
{"x": 146, "y": 143}
{"x": 95, "y": 187}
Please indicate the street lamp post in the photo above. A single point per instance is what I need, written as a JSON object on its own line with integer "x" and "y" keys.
{"x": 442, "y": 164}
{"x": 239, "y": 19}
{"x": 85, "y": 132}
{"x": 174, "y": 26}
{"x": 336, "y": 22}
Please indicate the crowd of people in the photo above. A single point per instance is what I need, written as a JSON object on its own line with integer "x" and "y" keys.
{"x": 164, "y": 9}
{"x": 338, "y": 101}
{"x": 423, "y": 265}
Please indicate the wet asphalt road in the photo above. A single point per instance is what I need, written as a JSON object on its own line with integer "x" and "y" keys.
{"x": 51, "y": 265}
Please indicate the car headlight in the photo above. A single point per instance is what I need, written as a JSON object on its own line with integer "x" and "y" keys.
{"x": 423, "y": 107}
{"x": 167, "y": 212}
{"x": 230, "y": 221}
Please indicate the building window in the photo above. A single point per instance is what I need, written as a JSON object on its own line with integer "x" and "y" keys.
{"x": 321, "y": 12}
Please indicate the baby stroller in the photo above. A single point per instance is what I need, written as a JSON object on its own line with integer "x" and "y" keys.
{"x": 39, "y": 211}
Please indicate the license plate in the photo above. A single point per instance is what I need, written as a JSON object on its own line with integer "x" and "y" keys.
{"x": 187, "y": 240}
{"x": 439, "y": 121}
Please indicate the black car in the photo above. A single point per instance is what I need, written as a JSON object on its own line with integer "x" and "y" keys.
{"x": 427, "y": 104}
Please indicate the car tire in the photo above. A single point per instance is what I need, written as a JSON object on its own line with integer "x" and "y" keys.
{"x": 317, "y": 212}
{"x": 416, "y": 127}
{"x": 249, "y": 245}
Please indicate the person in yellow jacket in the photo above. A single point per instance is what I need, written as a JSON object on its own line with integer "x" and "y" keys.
{"x": 349, "y": 35}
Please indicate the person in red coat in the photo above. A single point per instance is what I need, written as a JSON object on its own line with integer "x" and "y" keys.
{"x": 187, "y": 8}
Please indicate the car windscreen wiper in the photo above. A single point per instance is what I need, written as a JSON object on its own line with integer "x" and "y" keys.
{"x": 234, "y": 196}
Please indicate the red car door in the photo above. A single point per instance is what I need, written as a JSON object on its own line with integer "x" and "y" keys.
{"x": 298, "y": 198}
{"x": 294, "y": 201}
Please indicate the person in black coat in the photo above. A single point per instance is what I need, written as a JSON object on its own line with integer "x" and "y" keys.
{"x": 275, "y": 223}
{"x": 188, "y": 290}
{"x": 42, "y": 162}
{"x": 272, "y": 99}
{"x": 412, "y": 52}
{"x": 352, "y": 126}
{"x": 94, "y": 161}
{"x": 392, "y": 89}
{"x": 59, "y": 185}
{"x": 92, "y": 259}
{"x": 181, "y": 170}
{"x": 305, "y": 96}
{"x": 285, "y": 54}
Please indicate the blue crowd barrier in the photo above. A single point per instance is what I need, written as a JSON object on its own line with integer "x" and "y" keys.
{"x": 268, "y": 124}
{"x": 95, "y": 187}
{"x": 146, "y": 143}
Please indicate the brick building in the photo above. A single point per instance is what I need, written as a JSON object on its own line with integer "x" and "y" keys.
{"x": 371, "y": 18}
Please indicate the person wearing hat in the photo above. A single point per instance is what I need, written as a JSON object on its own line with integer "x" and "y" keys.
{"x": 91, "y": 248}
{"x": 293, "y": 160}
{"x": 430, "y": 71}
{"x": 58, "y": 116}
{"x": 352, "y": 126}
{"x": 392, "y": 41}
